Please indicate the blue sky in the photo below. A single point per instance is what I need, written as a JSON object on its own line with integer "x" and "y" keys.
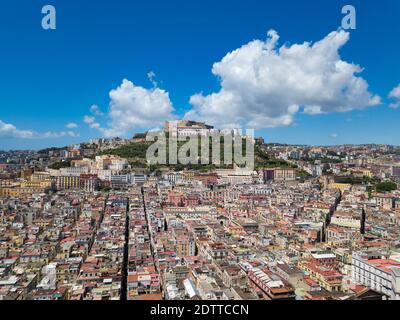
{"x": 51, "y": 78}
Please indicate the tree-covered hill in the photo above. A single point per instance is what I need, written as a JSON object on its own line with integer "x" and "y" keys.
{"x": 135, "y": 152}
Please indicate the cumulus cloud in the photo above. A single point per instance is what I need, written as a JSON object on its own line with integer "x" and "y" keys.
{"x": 152, "y": 78}
{"x": 334, "y": 135}
{"x": 71, "y": 125}
{"x": 8, "y": 130}
{"x": 94, "y": 109}
{"x": 91, "y": 122}
{"x": 263, "y": 85}
{"x": 134, "y": 107}
{"x": 89, "y": 119}
{"x": 395, "y": 95}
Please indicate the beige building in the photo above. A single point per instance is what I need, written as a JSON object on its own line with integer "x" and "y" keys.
{"x": 68, "y": 182}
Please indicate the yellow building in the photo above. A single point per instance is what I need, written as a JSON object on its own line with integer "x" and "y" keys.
{"x": 367, "y": 173}
{"x": 10, "y": 191}
{"x": 68, "y": 182}
{"x": 188, "y": 175}
{"x": 185, "y": 246}
{"x": 39, "y": 183}
{"x": 36, "y": 184}
{"x": 327, "y": 278}
{"x": 340, "y": 186}
{"x": 23, "y": 189}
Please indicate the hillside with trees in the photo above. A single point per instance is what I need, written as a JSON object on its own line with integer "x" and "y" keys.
{"x": 135, "y": 152}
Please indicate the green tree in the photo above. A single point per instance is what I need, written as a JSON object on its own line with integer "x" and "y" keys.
{"x": 386, "y": 186}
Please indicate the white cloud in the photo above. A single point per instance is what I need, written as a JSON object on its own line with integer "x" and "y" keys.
{"x": 395, "y": 94}
{"x": 61, "y": 134}
{"x": 334, "y": 135}
{"x": 94, "y": 109}
{"x": 263, "y": 85}
{"x": 10, "y": 131}
{"x": 134, "y": 107}
{"x": 152, "y": 78}
{"x": 312, "y": 110}
{"x": 71, "y": 125}
{"x": 89, "y": 119}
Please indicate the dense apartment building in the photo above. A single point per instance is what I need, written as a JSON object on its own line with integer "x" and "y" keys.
{"x": 385, "y": 201}
{"x": 326, "y": 277}
{"x": 68, "y": 182}
{"x": 279, "y": 174}
{"x": 376, "y": 271}
{"x": 270, "y": 285}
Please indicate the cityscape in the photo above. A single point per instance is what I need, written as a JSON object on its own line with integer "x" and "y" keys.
{"x": 199, "y": 157}
{"x": 308, "y": 223}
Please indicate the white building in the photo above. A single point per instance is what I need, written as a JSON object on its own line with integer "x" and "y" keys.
{"x": 138, "y": 178}
{"x": 73, "y": 171}
{"x": 377, "y": 272}
{"x": 187, "y": 128}
{"x": 347, "y": 219}
{"x": 173, "y": 177}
